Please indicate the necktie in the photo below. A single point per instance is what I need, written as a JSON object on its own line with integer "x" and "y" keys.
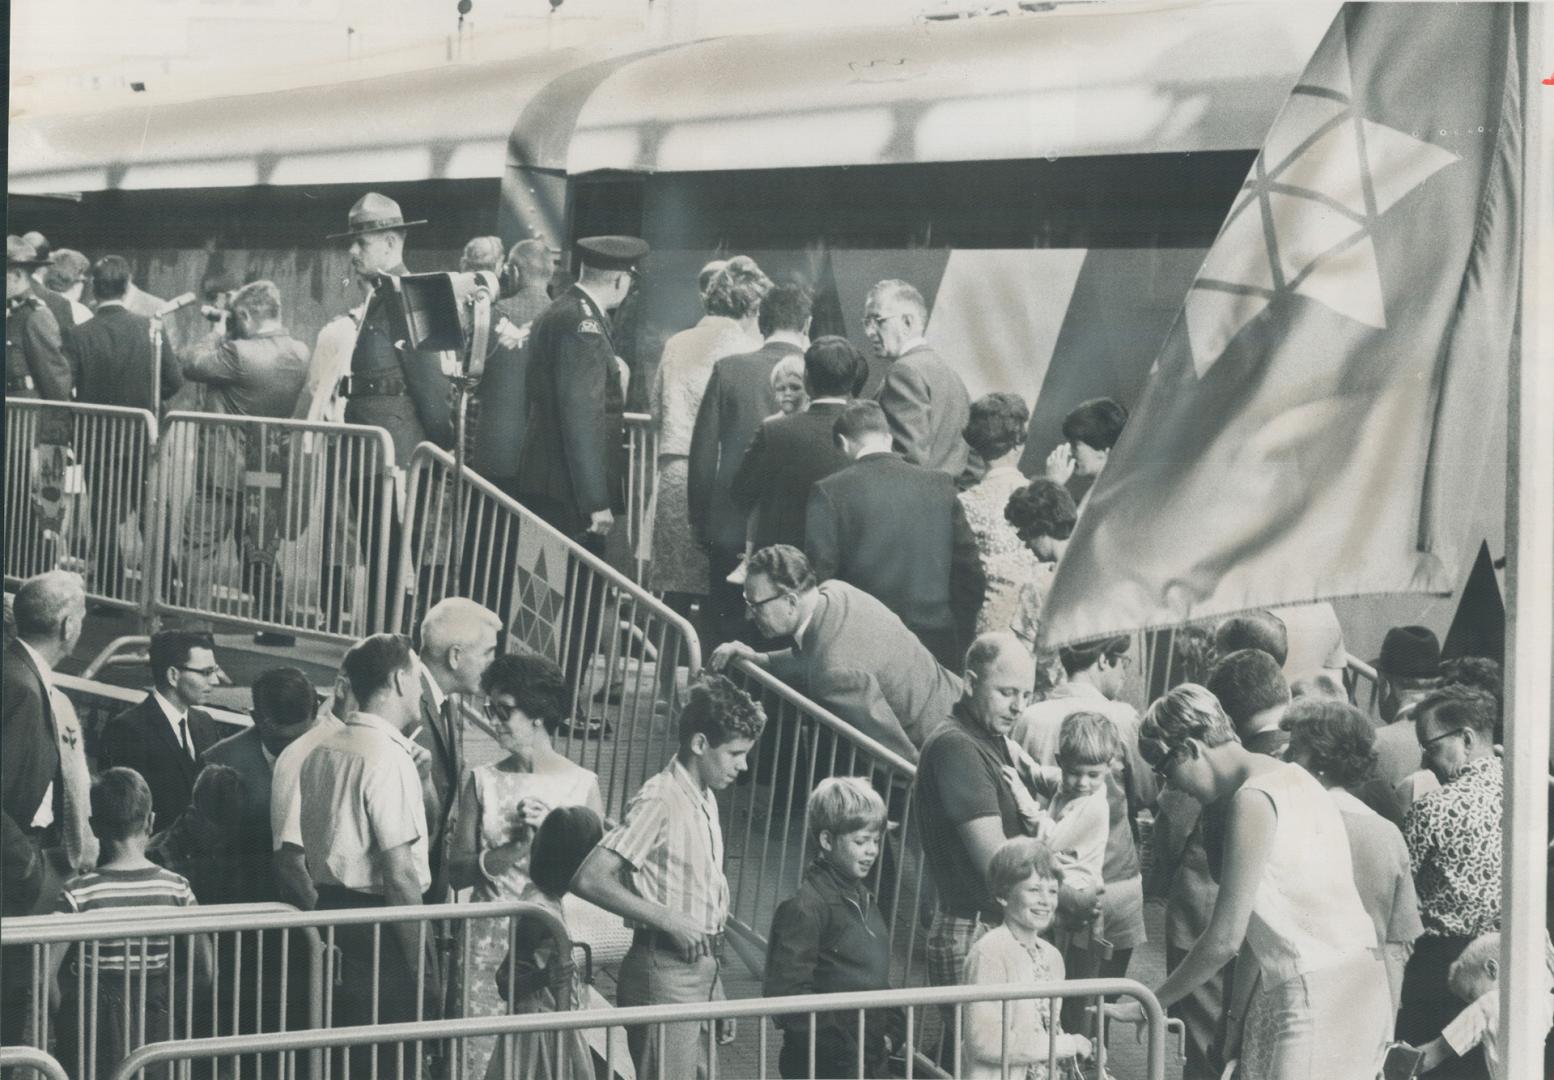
{"x": 183, "y": 730}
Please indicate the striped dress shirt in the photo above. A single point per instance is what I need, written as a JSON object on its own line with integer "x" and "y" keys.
{"x": 148, "y": 887}
{"x": 673, "y": 840}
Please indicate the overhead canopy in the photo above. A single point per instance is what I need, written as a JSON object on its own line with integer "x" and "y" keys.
{"x": 448, "y": 122}
{"x": 1102, "y": 79}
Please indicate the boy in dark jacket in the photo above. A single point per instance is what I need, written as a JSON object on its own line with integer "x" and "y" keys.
{"x": 831, "y": 938}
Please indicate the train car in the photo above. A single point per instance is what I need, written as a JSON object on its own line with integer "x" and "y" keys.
{"x": 1048, "y": 179}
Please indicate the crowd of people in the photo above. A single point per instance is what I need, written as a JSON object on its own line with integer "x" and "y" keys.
{"x": 1330, "y": 883}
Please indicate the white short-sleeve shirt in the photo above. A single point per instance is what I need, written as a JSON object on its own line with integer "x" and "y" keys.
{"x": 286, "y": 781}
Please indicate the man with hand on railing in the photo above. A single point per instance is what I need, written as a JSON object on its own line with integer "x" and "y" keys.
{"x": 661, "y": 869}
{"x": 850, "y": 652}
{"x": 365, "y": 835}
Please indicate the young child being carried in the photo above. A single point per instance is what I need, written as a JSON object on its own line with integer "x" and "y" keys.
{"x": 830, "y": 938}
{"x": 1023, "y": 875}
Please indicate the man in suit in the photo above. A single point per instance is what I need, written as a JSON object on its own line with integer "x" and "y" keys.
{"x": 458, "y": 642}
{"x": 789, "y": 453}
{"x": 110, "y": 355}
{"x": 285, "y": 705}
{"x": 165, "y": 737}
{"x": 738, "y": 397}
{"x": 44, "y": 784}
{"x": 399, "y": 391}
{"x": 897, "y": 531}
{"x": 924, "y": 398}
{"x": 850, "y": 653}
{"x": 573, "y": 457}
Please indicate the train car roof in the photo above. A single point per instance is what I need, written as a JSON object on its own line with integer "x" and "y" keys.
{"x": 1103, "y": 79}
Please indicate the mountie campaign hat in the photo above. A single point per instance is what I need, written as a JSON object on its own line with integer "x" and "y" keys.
{"x": 373, "y": 213}
{"x": 611, "y": 252}
{"x": 1409, "y": 652}
{"x": 20, "y": 253}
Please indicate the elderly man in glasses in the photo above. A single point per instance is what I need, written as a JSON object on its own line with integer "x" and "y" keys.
{"x": 165, "y": 737}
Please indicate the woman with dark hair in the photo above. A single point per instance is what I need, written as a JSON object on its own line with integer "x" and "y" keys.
{"x": 996, "y": 431}
{"x": 1320, "y": 1009}
{"x": 1335, "y": 742}
{"x": 502, "y": 805}
{"x": 732, "y": 300}
{"x": 528, "y": 980}
{"x": 1042, "y": 515}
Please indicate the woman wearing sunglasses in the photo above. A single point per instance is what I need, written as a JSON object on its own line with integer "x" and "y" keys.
{"x": 1320, "y": 1009}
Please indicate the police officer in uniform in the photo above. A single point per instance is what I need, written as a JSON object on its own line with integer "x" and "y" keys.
{"x": 572, "y": 466}
{"x": 573, "y": 461}
{"x": 35, "y": 363}
{"x": 404, "y": 393}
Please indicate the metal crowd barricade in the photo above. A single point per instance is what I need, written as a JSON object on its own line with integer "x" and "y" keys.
{"x": 857, "y": 1006}
{"x": 641, "y": 474}
{"x": 264, "y": 969}
{"x": 766, "y": 821}
{"x": 1357, "y": 673}
{"x": 31, "y": 1061}
{"x": 621, "y": 648}
{"x": 274, "y": 525}
{"x": 76, "y": 480}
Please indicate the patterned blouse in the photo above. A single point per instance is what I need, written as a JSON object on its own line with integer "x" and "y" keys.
{"x": 1006, "y": 561}
{"x": 683, "y": 372}
{"x": 1453, "y": 839}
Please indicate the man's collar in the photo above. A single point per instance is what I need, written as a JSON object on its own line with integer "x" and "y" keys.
{"x": 683, "y": 776}
{"x": 918, "y": 342}
{"x": 1477, "y": 765}
{"x": 870, "y": 455}
{"x": 375, "y": 722}
{"x": 105, "y": 305}
{"x": 172, "y": 712}
{"x": 45, "y": 668}
{"x": 1077, "y": 688}
{"x": 808, "y": 620}
{"x": 592, "y": 299}
{"x": 438, "y": 697}
{"x": 827, "y": 401}
{"x": 786, "y": 337}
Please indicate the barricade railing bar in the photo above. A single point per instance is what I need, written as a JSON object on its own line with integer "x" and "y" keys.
{"x": 14, "y": 1058}
{"x": 958, "y": 999}
{"x": 76, "y": 480}
{"x": 622, "y": 650}
{"x": 641, "y": 473}
{"x": 274, "y": 525}
{"x": 136, "y": 978}
{"x": 766, "y": 822}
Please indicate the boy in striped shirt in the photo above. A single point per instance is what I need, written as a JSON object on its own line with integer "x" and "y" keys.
{"x": 132, "y": 976}
{"x": 661, "y": 869}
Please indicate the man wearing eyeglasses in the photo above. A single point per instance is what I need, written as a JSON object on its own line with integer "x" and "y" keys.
{"x": 924, "y": 398}
{"x": 165, "y": 737}
{"x": 1454, "y": 844}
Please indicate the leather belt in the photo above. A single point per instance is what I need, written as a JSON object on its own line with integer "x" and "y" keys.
{"x": 657, "y": 939}
{"x": 373, "y": 384}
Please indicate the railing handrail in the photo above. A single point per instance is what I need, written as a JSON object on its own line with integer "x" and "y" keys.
{"x": 1359, "y": 667}
{"x": 88, "y": 408}
{"x": 774, "y": 685}
{"x": 573, "y": 1020}
{"x": 372, "y": 431}
{"x": 637, "y": 419}
{"x": 30, "y": 1057}
{"x": 216, "y": 918}
{"x": 429, "y": 451}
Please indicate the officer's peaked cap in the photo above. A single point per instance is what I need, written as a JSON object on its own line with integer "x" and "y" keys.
{"x": 612, "y": 252}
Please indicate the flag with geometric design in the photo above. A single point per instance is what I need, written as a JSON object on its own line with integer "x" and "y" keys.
{"x": 541, "y": 585}
{"x": 1332, "y": 394}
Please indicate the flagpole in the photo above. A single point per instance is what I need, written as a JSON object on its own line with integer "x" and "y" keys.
{"x": 1530, "y": 607}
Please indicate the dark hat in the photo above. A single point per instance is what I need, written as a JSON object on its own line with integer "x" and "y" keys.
{"x": 611, "y": 252}
{"x": 20, "y": 253}
{"x": 1409, "y": 652}
{"x": 373, "y": 213}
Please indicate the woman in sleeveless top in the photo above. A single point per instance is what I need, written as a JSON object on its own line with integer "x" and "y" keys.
{"x": 1319, "y": 1007}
